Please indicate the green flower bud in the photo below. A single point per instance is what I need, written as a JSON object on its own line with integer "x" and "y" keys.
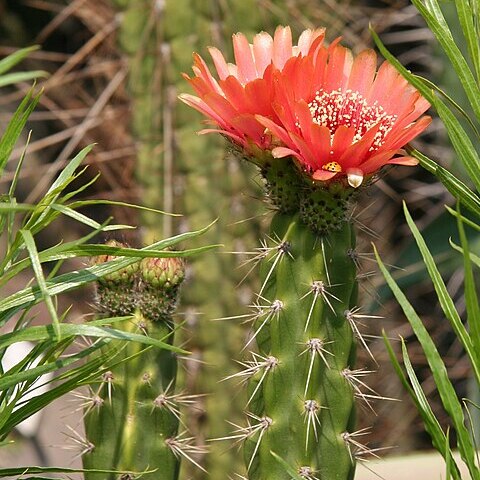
{"x": 116, "y": 292}
{"x": 163, "y": 273}
{"x": 160, "y": 282}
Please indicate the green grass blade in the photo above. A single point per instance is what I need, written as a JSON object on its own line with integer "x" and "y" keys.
{"x": 446, "y": 302}
{"x": 46, "y": 332}
{"x": 38, "y": 402}
{"x": 439, "y": 439}
{"x": 68, "y": 172}
{"x": 464, "y": 220}
{"x": 37, "y": 268}
{"x": 449, "y": 459}
{"x": 445, "y": 388}
{"x": 464, "y": 10}
{"x": 471, "y": 296}
{"x": 430, "y": 421}
{"x": 9, "y": 62}
{"x": 14, "y": 471}
{"x": 81, "y": 218}
{"x": 13, "y": 78}
{"x": 9, "y": 380}
{"x": 475, "y": 259}
{"x": 450, "y": 101}
{"x": 432, "y": 13}
{"x": 12, "y": 206}
{"x": 85, "y": 203}
{"x": 72, "y": 280}
{"x": 456, "y": 187}
{"x": 15, "y": 127}
{"x": 461, "y": 142}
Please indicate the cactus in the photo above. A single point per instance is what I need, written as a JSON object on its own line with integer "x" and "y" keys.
{"x": 300, "y": 401}
{"x": 132, "y": 417}
{"x": 325, "y": 125}
{"x": 172, "y": 177}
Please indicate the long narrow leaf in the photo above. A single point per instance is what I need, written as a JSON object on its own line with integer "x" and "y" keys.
{"x": 464, "y": 220}
{"x": 475, "y": 259}
{"x": 441, "y": 441}
{"x": 471, "y": 296}
{"x": 432, "y": 426}
{"x": 14, "y": 471}
{"x": 446, "y": 302}
{"x": 456, "y": 187}
{"x": 72, "y": 280}
{"x": 461, "y": 143}
{"x": 46, "y": 332}
{"x": 18, "y": 77}
{"x": 42, "y": 285}
{"x": 9, "y": 62}
{"x": 11, "y": 379}
{"x": 445, "y": 388}
{"x": 15, "y": 127}
{"x": 464, "y": 10}
{"x": 432, "y": 13}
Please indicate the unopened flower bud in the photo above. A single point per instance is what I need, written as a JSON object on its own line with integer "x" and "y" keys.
{"x": 163, "y": 273}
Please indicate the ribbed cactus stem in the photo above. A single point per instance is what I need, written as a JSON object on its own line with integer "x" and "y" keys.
{"x": 133, "y": 424}
{"x": 302, "y": 405}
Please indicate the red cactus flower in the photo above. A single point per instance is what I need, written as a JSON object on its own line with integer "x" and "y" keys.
{"x": 335, "y": 114}
{"x": 245, "y": 89}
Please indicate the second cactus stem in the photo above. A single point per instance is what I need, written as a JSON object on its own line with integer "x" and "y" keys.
{"x": 301, "y": 403}
{"x": 132, "y": 414}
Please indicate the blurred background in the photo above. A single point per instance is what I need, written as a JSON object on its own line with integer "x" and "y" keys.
{"x": 114, "y": 73}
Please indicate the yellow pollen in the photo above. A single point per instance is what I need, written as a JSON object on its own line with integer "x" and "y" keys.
{"x": 332, "y": 167}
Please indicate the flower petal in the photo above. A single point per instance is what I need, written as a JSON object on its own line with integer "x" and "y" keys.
{"x": 321, "y": 139}
{"x": 407, "y": 161}
{"x": 262, "y": 51}
{"x": 323, "y": 175}
{"x": 204, "y": 73}
{"x": 355, "y": 155}
{"x": 199, "y": 105}
{"x": 401, "y": 138}
{"x": 341, "y": 141}
{"x": 219, "y": 62}
{"x": 336, "y": 63}
{"x": 244, "y": 58}
{"x": 363, "y": 72}
{"x": 282, "y": 46}
{"x": 275, "y": 129}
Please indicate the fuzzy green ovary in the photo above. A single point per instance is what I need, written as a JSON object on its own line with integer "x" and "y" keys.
{"x": 282, "y": 395}
{"x": 128, "y": 432}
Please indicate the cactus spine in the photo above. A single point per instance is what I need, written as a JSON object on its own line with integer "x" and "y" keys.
{"x": 303, "y": 408}
{"x": 132, "y": 418}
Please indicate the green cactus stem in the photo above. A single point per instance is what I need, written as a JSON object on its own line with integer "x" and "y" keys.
{"x": 132, "y": 415}
{"x": 301, "y": 404}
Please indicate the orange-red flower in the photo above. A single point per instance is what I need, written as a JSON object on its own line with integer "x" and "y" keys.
{"x": 335, "y": 114}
